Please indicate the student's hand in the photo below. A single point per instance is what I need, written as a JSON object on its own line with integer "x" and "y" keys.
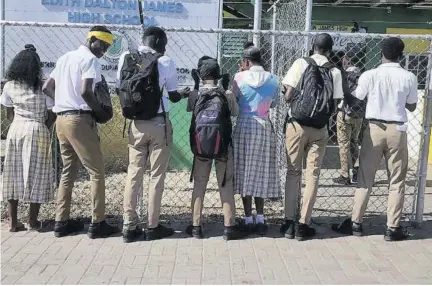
{"x": 195, "y": 76}
{"x": 225, "y": 81}
{"x": 185, "y": 92}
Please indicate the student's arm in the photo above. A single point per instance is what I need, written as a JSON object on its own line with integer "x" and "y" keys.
{"x": 90, "y": 73}
{"x": 51, "y": 116}
{"x": 6, "y": 101}
{"x": 193, "y": 95}
{"x": 49, "y": 87}
{"x": 171, "y": 84}
{"x": 292, "y": 79}
{"x": 412, "y": 99}
{"x": 88, "y": 95}
{"x": 362, "y": 89}
{"x": 235, "y": 89}
{"x": 339, "y": 87}
{"x": 119, "y": 68}
{"x": 232, "y": 102}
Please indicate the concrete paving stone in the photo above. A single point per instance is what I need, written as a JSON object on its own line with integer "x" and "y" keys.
{"x": 344, "y": 260}
{"x": 160, "y": 281}
{"x": 10, "y": 279}
{"x": 133, "y": 281}
{"x": 32, "y": 280}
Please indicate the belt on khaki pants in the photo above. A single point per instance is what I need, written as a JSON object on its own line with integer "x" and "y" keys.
{"x": 75, "y": 112}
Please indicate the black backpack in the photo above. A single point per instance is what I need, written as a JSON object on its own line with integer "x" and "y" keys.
{"x": 211, "y": 127}
{"x": 103, "y": 96}
{"x": 352, "y": 106}
{"x": 313, "y": 103}
{"x": 139, "y": 93}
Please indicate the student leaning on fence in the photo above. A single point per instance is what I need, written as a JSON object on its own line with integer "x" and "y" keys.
{"x": 390, "y": 90}
{"x": 210, "y": 139}
{"x": 78, "y": 109}
{"x": 254, "y": 139}
{"x": 146, "y": 79}
{"x": 351, "y": 112}
{"x": 27, "y": 173}
{"x": 313, "y": 86}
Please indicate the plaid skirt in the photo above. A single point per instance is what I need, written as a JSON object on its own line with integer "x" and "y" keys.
{"x": 255, "y": 172}
{"x": 27, "y": 172}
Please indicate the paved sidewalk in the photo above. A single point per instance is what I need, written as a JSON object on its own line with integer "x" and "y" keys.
{"x": 33, "y": 258}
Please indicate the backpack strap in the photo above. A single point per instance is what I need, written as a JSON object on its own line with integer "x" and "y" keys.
{"x": 133, "y": 52}
{"x": 310, "y": 61}
{"x": 328, "y": 65}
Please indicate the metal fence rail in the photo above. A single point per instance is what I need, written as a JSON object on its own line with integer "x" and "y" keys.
{"x": 185, "y": 47}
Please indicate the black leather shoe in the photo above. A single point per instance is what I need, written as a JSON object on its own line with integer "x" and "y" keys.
{"x": 234, "y": 233}
{"x": 342, "y": 181}
{"x": 132, "y": 235}
{"x": 396, "y": 234}
{"x": 304, "y": 231}
{"x": 158, "y": 232}
{"x": 64, "y": 228}
{"x": 288, "y": 229}
{"x": 261, "y": 228}
{"x": 101, "y": 230}
{"x": 347, "y": 227}
{"x": 249, "y": 228}
{"x": 195, "y": 231}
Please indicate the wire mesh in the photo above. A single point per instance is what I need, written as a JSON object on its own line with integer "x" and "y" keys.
{"x": 185, "y": 46}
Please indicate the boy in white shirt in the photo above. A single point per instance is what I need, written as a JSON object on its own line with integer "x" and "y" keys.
{"x": 390, "y": 90}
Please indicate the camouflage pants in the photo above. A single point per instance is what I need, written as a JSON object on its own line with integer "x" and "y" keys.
{"x": 348, "y": 130}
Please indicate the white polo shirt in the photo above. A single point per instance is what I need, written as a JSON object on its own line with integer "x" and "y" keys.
{"x": 168, "y": 79}
{"x": 388, "y": 89}
{"x": 296, "y": 71}
{"x": 70, "y": 71}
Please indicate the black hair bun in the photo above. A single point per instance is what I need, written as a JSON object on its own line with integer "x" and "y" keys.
{"x": 30, "y": 47}
{"x": 247, "y": 45}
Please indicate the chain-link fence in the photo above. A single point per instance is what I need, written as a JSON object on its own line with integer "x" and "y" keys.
{"x": 185, "y": 47}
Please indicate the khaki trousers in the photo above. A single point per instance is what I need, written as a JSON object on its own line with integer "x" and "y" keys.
{"x": 382, "y": 140}
{"x": 79, "y": 140}
{"x": 147, "y": 140}
{"x": 301, "y": 141}
{"x": 201, "y": 176}
{"x": 348, "y": 130}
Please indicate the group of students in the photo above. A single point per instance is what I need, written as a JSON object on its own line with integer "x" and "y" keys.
{"x": 244, "y": 154}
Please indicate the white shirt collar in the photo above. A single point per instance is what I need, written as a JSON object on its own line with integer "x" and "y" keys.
{"x": 84, "y": 49}
{"x": 146, "y": 49}
{"x": 397, "y": 65}
{"x": 319, "y": 57}
{"x": 257, "y": 68}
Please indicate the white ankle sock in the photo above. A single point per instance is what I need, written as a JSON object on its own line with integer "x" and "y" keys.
{"x": 248, "y": 220}
{"x": 260, "y": 218}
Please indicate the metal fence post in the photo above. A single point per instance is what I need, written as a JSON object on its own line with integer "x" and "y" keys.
{"x": 257, "y": 22}
{"x": 2, "y": 39}
{"x": 424, "y": 154}
{"x": 273, "y": 47}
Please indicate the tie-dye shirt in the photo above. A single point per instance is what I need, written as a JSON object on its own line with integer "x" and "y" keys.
{"x": 255, "y": 90}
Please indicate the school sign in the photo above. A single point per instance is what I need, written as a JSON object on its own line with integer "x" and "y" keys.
{"x": 51, "y": 43}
